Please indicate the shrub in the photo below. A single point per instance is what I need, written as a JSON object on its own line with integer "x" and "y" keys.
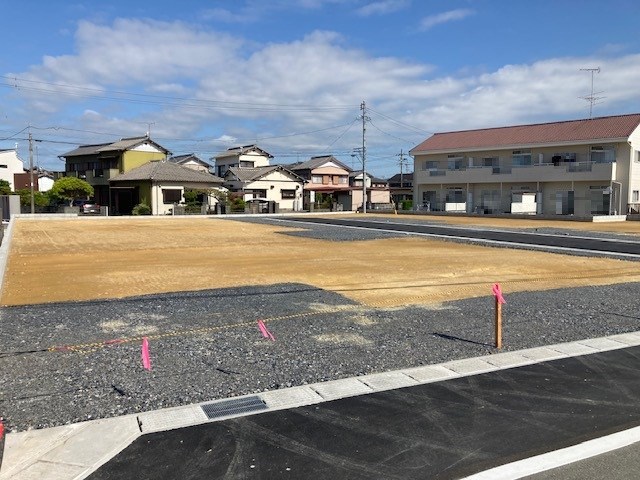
{"x": 141, "y": 209}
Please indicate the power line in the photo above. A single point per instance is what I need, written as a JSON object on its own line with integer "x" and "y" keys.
{"x": 143, "y": 98}
{"x": 11, "y": 137}
{"x": 389, "y": 134}
{"x": 402, "y": 124}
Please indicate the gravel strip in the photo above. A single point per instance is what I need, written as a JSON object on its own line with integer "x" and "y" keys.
{"x": 338, "y": 233}
{"x": 319, "y": 335}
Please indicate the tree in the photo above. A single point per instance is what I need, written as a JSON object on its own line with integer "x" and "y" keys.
{"x": 40, "y": 199}
{"x": 71, "y": 188}
{"x": 5, "y": 187}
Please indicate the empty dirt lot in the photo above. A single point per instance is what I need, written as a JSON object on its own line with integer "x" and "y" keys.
{"x": 83, "y": 259}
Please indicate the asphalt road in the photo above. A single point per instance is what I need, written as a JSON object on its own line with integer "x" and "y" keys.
{"x": 565, "y": 243}
{"x": 448, "y": 429}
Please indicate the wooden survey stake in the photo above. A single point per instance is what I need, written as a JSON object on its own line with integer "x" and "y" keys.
{"x": 497, "y": 293}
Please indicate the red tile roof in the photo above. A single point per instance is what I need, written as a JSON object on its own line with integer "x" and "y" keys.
{"x": 619, "y": 126}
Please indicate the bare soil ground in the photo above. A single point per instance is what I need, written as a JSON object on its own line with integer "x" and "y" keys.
{"x": 62, "y": 260}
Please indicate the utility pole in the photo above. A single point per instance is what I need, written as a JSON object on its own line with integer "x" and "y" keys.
{"x": 400, "y": 195}
{"x": 592, "y": 98}
{"x": 402, "y": 163}
{"x": 33, "y": 205}
{"x": 363, "y": 107}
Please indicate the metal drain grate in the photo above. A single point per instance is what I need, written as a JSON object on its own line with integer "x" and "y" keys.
{"x": 233, "y": 406}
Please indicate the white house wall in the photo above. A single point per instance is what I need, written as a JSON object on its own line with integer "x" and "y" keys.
{"x": 45, "y": 184}
{"x": 159, "y": 207}
{"x": 273, "y": 187}
{"x": 146, "y": 147}
{"x": 10, "y": 164}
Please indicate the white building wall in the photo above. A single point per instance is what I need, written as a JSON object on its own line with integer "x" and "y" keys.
{"x": 10, "y": 164}
{"x": 45, "y": 184}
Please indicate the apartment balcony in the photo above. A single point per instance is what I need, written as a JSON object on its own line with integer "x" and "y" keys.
{"x": 545, "y": 172}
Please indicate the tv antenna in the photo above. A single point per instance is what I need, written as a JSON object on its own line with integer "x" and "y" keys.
{"x": 593, "y": 97}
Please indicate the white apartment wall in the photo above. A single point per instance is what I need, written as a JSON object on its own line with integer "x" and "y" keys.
{"x": 634, "y": 164}
{"x": 10, "y": 164}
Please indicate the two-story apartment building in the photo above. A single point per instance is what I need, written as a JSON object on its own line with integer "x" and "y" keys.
{"x": 98, "y": 163}
{"x": 580, "y": 167}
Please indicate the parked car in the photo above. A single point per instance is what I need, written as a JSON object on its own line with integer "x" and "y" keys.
{"x": 87, "y": 207}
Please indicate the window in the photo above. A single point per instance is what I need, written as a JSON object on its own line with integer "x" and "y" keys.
{"x": 343, "y": 180}
{"x": 171, "y": 195}
{"x": 325, "y": 179}
{"x": 3, "y": 166}
{"x": 430, "y": 165}
{"x": 455, "y": 195}
{"x": 316, "y": 179}
{"x": 635, "y": 196}
{"x": 288, "y": 194}
{"x": 455, "y": 162}
{"x": 521, "y": 158}
{"x": 603, "y": 154}
{"x": 246, "y": 164}
{"x": 336, "y": 179}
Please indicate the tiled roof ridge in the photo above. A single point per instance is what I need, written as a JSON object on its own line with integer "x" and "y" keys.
{"x": 504, "y": 127}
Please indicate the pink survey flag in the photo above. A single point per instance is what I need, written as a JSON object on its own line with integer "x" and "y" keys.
{"x": 265, "y": 331}
{"x": 146, "y": 359}
{"x": 497, "y": 292}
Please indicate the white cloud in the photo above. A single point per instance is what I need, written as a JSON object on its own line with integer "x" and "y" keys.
{"x": 445, "y": 17}
{"x": 314, "y": 84}
{"x": 382, "y": 7}
{"x": 224, "y": 15}
{"x": 131, "y": 51}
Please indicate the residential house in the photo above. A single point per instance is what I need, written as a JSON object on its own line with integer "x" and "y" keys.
{"x": 42, "y": 180}
{"x": 191, "y": 160}
{"x": 401, "y": 187}
{"x": 327, "y": 178}
{"x": 97, "y": 164}
{"x": 270, "y": 183}
{"x": 10, "y": 164}
{"x": 248, "y": 156}
{"x": 378, "y": 193}
{"x": 579, "y": 167}
{"x": 159, "y": 184}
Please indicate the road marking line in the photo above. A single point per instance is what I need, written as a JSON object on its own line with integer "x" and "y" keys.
{"x": 558, "y": 458}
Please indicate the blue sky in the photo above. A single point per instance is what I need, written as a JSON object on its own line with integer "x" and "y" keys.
{"x": 290, "y": 74}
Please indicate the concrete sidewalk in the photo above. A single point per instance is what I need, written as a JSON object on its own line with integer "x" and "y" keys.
{"x": 75, "y": 451}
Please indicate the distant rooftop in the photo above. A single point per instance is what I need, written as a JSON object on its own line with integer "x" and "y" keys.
{"x": 601, "y": 128}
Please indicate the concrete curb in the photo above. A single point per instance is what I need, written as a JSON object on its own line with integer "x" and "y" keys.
{"x": 4, "y": 250}
{"x": 73, "y": 452}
